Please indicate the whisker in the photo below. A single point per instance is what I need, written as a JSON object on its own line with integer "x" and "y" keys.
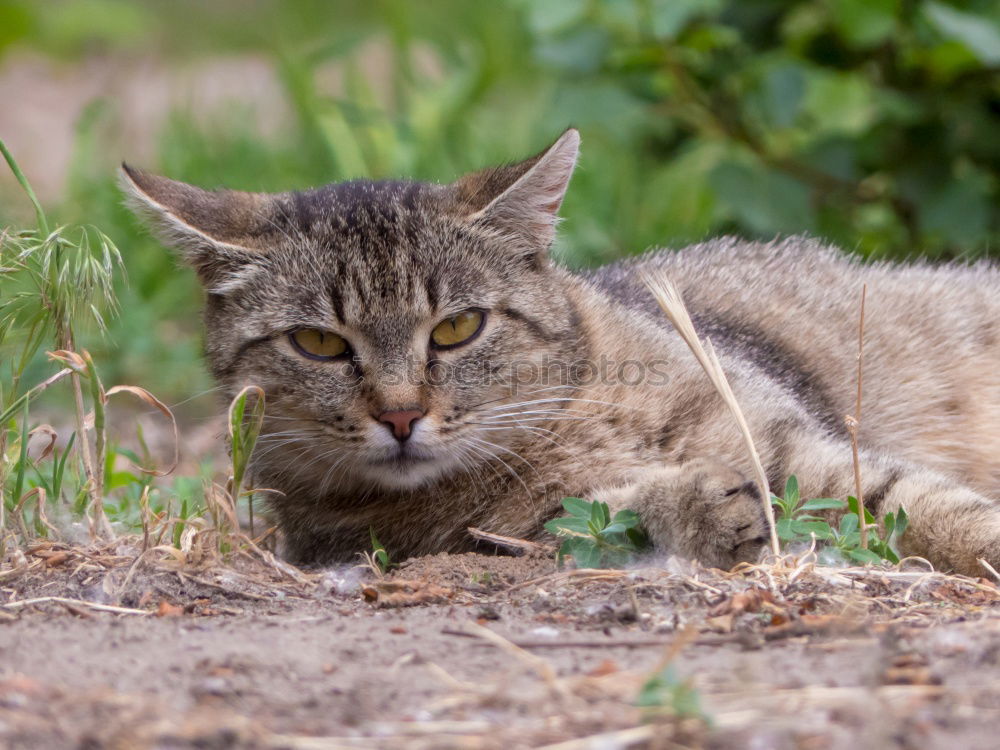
{"x": 490, "y": 456}
{"x": 540, "y": 432}
{"x": 196, "y": 395}
{"x": 509, "y": 395}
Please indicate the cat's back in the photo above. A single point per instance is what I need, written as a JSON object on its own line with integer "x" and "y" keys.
{"x": 932, "y": 333}
{"x": 731, "y": 277}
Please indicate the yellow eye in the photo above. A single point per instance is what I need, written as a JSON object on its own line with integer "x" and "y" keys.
{"x": 317, "y": 344}
{"x": 457, "y": 329}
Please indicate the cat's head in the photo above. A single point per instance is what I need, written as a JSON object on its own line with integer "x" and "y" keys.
{"x": 398, "y": 329}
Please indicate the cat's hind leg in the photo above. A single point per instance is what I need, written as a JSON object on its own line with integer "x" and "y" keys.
{"x": 951, "y": 525}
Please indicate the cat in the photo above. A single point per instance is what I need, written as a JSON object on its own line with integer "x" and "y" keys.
{"x": 428, "y": 368}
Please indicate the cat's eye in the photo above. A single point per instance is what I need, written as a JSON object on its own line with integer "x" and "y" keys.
{"x": 458, "y": 329}
{"x": 316, "y": 344}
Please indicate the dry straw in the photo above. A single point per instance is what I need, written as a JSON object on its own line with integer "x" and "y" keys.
{"x": 669, "y": 299}
{"x": 853, "y": 422}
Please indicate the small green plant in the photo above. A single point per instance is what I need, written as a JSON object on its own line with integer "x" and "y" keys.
{"x": 841, "y": 543}
{"x": 596, "y": 540}
{"x": 885, "y": 545}
{"x": 797, "y": 521}
{"x": 378, "y": 558}
{"x": 244, "y": 429}
{"x": 664, "y": 693}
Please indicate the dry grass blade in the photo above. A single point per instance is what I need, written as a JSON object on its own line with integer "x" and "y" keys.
{"x": 153, "y": 401}
{"x": 18, "y": 513}
{"x": 539, "y": 665}
{"x": 42, "y": 440}
{"x": 669, "y": 299}
{"x": 854, "y": 424}
{"x": 992, "y": 571}
{"x": 20, "y": 604}
{"x": 620, "y": 738}
{"x": 16, "y": 406}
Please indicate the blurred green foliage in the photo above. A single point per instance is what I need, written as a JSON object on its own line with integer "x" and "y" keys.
{"x": 872, "y": 123}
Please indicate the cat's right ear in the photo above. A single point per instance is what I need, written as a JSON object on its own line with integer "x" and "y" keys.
{"x": 220, "y": 233}
{"x": 522, "y": 200}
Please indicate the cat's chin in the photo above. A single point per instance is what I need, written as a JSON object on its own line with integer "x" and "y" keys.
{"x": 407, "y": 473}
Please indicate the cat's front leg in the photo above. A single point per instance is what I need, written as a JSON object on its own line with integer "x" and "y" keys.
{"x": 701, "y": 509}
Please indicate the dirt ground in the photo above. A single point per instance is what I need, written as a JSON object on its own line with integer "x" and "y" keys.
{"x": 100, "y": 648}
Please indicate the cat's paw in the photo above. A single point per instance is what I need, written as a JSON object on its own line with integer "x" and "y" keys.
{"x": 703, "y": 509}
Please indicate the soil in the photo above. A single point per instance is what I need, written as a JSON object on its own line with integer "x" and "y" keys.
{"x": 476, "y": 651}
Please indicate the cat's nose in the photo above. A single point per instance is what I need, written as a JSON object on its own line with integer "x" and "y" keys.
{"x": 400, "y": 422}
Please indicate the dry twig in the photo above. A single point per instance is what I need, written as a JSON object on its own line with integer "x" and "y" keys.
{"x": 518, "y": 546}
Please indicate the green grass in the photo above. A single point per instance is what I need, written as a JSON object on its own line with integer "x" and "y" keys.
{"x": 55, "y": 281}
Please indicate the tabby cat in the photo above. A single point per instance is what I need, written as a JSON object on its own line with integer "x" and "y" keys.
{"x": 428, "y": 367}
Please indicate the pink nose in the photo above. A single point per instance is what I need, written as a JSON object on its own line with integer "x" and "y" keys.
{"x": 400, "y": 421}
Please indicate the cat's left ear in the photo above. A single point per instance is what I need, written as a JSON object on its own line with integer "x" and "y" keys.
{"x": 223, "y": 234}
{"x": 523, "y": 200}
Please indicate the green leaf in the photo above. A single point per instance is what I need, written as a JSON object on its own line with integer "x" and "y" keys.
{"x": 978, "y": 32}
{"x": 560, "y": 526}
{"x": 638, "y": 539}
{"x": 784, "y": 528}
{"x": 848, "y": 524}
{"x": 379, "y": 552}
{"x": 808, "y": 517}
{"x": 864, "y": 23}
{"x": 585, "y": 554}
{"x": 628, "y": 518}
{"x": 902, "y": 522}
{"x": 839, "y": 103}
{"x": 670, "y": 17}
{"x": 822, "y": 503}
{"x": 780, "y": 503}
{"x": 792, "y": 491}
{"x": 863, "y": 556}
{"x": 582, "y": 51}
{"x": 545, "y": 18}
{"x": 678, "y": 199}
{"x": 597, "y": 516}
{"x": 821, "y": 529}
{"x": 778, "y": 93}
{"x": 852, "y": 506}
{"x": 763, "y": 200}
{"x": 959, "y": 210}
{"x": 576, "y": 506}
{"x": 614, "y": 528}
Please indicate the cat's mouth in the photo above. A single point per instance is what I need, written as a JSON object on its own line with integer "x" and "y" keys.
{"x": 402, "y": 460}
{"x": 406, "y": 466}
{"x": 403, "y": 456}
